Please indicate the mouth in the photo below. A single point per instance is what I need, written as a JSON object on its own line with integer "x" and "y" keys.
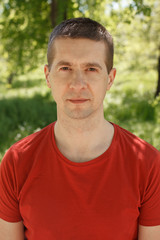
{"x": 78, "y": 101}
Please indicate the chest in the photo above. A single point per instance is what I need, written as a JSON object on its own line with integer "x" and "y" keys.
{"x": 68, "y": 203}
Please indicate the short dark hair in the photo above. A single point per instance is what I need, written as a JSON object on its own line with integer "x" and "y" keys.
{"x": 82, "y": 28}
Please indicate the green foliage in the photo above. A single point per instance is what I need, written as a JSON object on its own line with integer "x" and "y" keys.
{"x": 22, "y": 116}
{"x": 24, "y": 31}
{"x": 140, "y": 7}
{"x": 23, "y": 42}
{"x": 132, "y": 105}
{"x": 25, "y": 25}
{"x": 136, "y": 112}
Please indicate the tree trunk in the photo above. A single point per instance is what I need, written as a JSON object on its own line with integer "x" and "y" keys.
{"x": 65, "y": 11}
{"x": 10, "y": 78}
{"x": 54, "y": 9}
{"x": 158, "y": 84}
{"x": 59, "y": 10}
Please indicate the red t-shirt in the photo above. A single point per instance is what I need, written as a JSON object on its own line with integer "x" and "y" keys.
{"x": 57, "y": 199}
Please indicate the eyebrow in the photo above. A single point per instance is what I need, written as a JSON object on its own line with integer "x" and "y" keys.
{"x": 92, "y": 64}
{"x": 60, "y": 63}
{"x": 88, "y": 64}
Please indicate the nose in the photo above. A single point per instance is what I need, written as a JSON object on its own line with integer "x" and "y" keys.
{"x": 78, "y": 80}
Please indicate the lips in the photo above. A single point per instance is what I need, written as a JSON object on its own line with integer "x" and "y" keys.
{"x": 78, "y": 100}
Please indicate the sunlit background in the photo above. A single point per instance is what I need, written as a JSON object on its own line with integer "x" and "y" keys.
{"x": 26, "y": 104}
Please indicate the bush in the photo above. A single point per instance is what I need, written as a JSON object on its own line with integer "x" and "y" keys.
{"x": 22, "y": 116}
{"x": 140, "y": 114}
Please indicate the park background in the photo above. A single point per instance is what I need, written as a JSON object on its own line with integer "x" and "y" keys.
{"x": 26, "y": 104}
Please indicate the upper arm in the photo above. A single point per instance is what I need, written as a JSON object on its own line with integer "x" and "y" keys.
{"x": 11, "y": 231}
{"x": 149, "y": 232}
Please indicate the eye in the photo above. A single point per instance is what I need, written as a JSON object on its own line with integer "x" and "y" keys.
{"x": 91, "y": 69}
{"x": 65, "y": 68}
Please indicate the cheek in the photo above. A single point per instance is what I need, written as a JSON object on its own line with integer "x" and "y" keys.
{"x": 58, "y": 90}
{"x": 53, "y": 88}
{"x": 102, "y": 89}
{"x": 101, "y": 85}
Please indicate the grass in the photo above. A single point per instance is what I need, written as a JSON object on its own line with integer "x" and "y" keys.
{"x": 140, "y": 114}
{"x": 22, "y": 116}
{"x": 27, "y": 106}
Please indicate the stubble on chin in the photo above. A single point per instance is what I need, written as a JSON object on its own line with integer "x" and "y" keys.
{"x": 78, "y": 113}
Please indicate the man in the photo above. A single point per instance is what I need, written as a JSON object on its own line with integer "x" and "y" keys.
{"x": 81, "y": 177}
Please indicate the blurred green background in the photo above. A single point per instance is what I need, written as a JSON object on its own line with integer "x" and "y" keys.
{"x": 26, "y": 104}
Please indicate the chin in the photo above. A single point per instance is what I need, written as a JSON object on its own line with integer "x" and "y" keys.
{"x": 78, "y": 114}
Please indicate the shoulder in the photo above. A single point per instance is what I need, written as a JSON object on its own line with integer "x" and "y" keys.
{"x": 24, "y": 158}
{"x": 135, "y": 142}
{"x": 28, "y": 145}
{"x": 33, "y": 139}
{"x": 136, "y": 148}
{"x": 141, "y": 161}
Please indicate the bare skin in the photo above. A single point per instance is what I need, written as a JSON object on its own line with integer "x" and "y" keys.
{"x": 11, "y": 231}
{"x": 149, "y": 232}
{"x": 79, "y": 84}
{"x": 85, "y": 147}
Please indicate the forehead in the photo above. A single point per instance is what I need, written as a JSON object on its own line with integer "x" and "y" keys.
{"x": 80, "y": 48}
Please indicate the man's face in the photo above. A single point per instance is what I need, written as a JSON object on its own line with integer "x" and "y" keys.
{"x": 78, "y": 77}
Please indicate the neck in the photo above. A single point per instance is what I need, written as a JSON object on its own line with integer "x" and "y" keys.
{"x": 75, "y": 137}
{"x": 79, "y": 126}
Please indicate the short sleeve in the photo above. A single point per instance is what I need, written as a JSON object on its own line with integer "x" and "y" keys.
{"x": 9, "y": 206}
{"x": 150, "y": 206}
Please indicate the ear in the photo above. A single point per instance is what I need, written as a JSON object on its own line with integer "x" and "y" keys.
{"x": 46, "y": 72}
{"x": 111, "y": 78}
